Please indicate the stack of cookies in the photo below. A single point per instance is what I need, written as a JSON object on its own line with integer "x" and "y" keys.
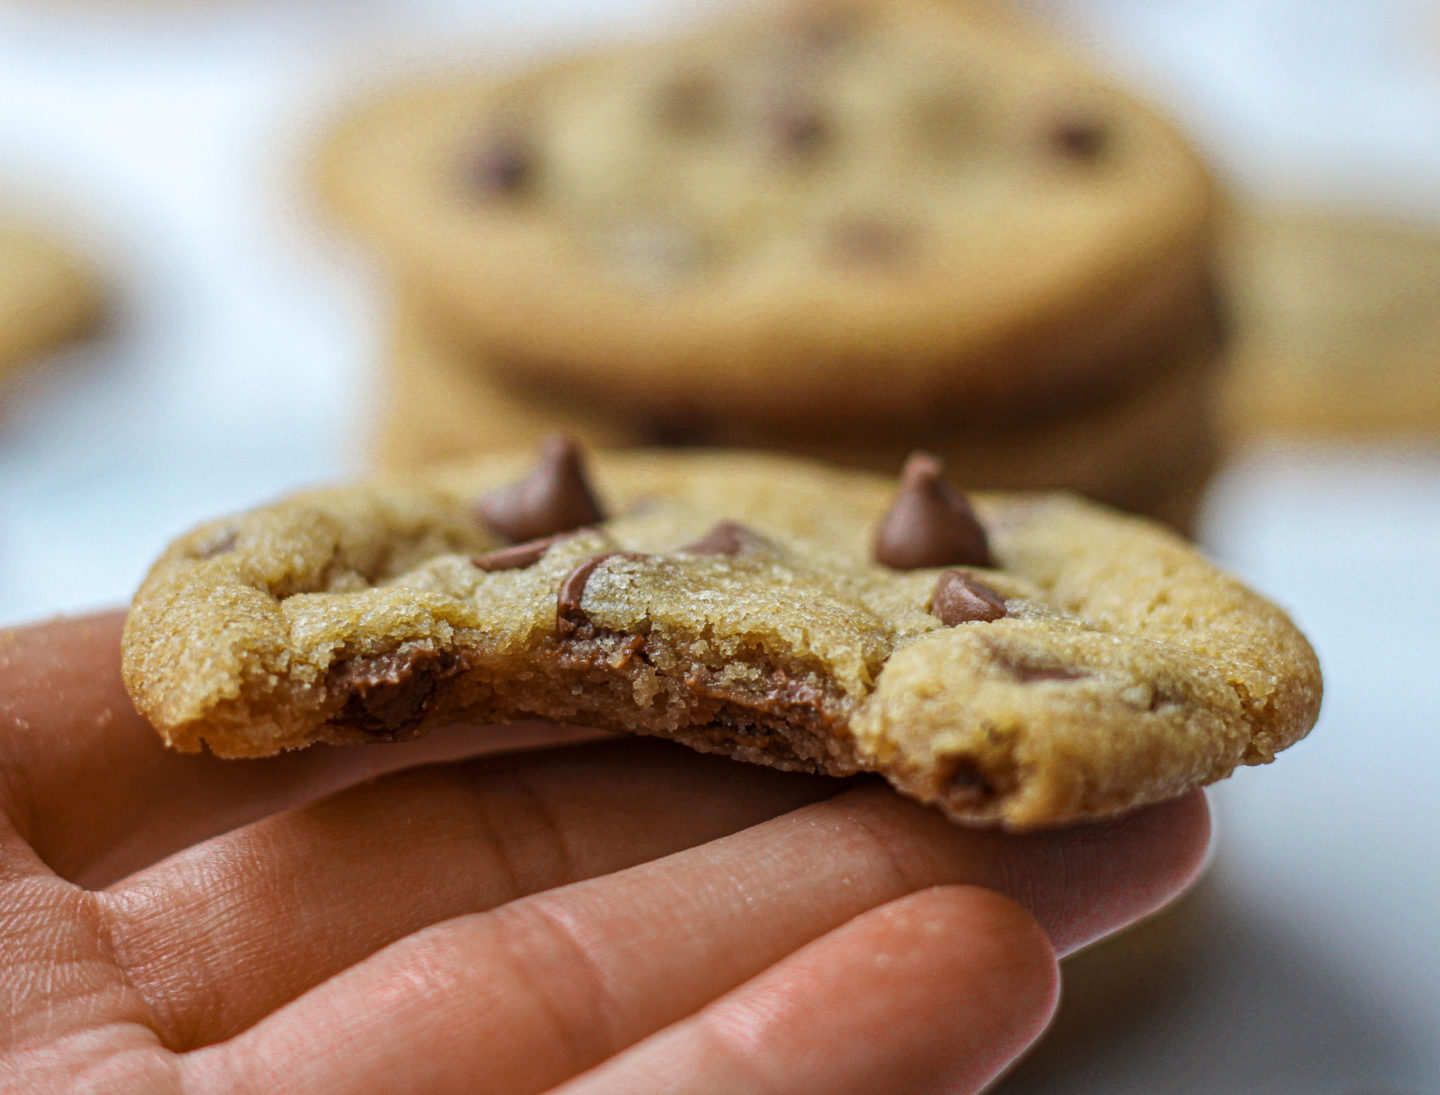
{"x": 1337, "y": 322}
{"x": 844, "y": 228}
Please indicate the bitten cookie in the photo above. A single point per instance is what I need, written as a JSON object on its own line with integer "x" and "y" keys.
{"x": 1027, "y": 660}
{"x": 47, "y": 296}
{"x": 893, "y": 213}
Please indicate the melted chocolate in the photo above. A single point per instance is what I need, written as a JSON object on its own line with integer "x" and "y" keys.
{"x": 389, "y": 695}
{"x": 518, "y": 555}
{"x": 570, "y": 618}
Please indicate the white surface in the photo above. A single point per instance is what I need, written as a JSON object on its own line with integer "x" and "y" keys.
{"x": 1317, "y": 970}
{"x": 240, "y": 366}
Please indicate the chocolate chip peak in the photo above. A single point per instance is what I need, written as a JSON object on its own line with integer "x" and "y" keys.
{"x": 1079, "y": 138}
{"x": 794, "y": 126}
{"x": 726, "y": 538}
{"x": 930, "y": 523}
{"x": 960, "y": 599}
{"x": 504, "y": 164}
{"x": 555, "y": 497}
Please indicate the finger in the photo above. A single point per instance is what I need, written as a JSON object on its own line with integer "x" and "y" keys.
{"x": 224, "y": 932}
{"x": 538, "y": 990}
{"x": 58, "y": 978}
{"x": 98, "y": 795}
{"x": 936, "y": 992}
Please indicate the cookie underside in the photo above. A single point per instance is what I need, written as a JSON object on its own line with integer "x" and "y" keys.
{"x": 1126, "y": 669}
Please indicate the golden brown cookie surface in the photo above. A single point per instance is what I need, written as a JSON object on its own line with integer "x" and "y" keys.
{"x": 1069, "y": 663}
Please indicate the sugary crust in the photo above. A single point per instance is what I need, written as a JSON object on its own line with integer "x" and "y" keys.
{"x": 1142, "y": 447}
{"x": 47, "y": 296}
{"x": 1035, "y": 276}
{"x": 1127, "y": 668}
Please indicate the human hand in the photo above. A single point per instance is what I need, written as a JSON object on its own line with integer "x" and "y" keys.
{"x": 601, "y": 916}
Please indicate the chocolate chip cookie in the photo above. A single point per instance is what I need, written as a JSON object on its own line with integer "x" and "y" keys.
{"x": 852, "y": 214}
{"x": 1025, "y": 660}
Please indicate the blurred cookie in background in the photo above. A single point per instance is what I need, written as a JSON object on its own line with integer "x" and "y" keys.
{"x": 437, "y": 399}
{"x": 1149, "y": 448}
{"x": 1337, "y": 325}
{"x": 49, "y": 296}
{"x": 841, "y": 228}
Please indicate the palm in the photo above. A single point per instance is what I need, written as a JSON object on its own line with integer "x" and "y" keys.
{"x": 615, "y": 916}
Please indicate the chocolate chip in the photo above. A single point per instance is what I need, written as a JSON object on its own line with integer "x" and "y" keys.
{"x": 726, "y": 538}
{"x": 930, "y": 523}
{"x": 960, "y": 599}
{"x": 1079, "y": 138}
{"x": 569, "y": 616}
{"x": 795, "y": 127}
{"x": 518, "y": 555}
{"x": 554, "y": 498}
{"x": 505, "y": 164}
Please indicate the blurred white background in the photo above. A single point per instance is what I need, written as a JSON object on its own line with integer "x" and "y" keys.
{"x": 171, "y": 138}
